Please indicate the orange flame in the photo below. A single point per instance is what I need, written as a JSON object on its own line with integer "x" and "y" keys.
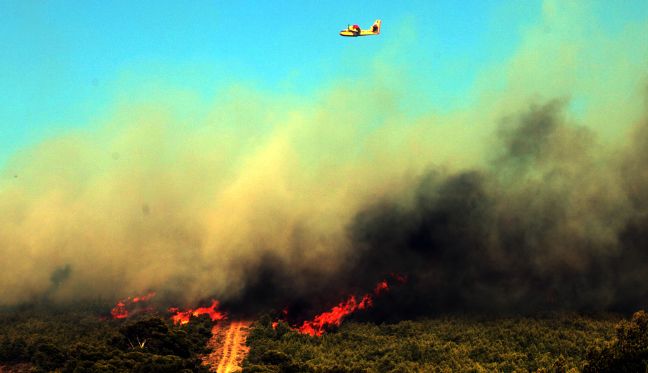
{"x": 144, "y": 298}
{"x": 124, "y": 308}
{"x": 182, "y": 317}
{"x": 334, "y": 317}
{"x": 317, "y": 326}
{"x": 121, "y": 309}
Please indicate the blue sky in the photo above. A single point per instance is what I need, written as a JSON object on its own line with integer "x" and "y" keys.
{"x": 65, "y": 63}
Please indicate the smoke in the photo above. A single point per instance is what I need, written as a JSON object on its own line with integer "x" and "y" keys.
{"x": 549, "y": 224}
{"x": 148, "y": 202}
{"x": 514, "y": 202}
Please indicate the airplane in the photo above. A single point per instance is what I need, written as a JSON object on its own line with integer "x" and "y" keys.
{"x": 354, "y": 30}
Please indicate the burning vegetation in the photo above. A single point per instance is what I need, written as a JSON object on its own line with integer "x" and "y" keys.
{"x": 132, "y": 305}
{"x": 315, "y": 327}
{"x": 127, "y": 306}
{"x": 333, "y": 318}
{"x": 183, "y": 317}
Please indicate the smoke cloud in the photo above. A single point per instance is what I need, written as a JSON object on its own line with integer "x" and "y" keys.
{"x": 552, "y": 223}
{"x": 515, "y": 202}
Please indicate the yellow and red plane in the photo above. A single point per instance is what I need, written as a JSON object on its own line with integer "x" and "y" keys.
{"x": 354, "y": 30}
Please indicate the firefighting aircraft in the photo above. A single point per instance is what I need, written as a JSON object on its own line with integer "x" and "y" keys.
{"x": 354, "y": 30}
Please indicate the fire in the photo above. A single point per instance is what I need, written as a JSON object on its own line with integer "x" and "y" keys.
{"x": 317, "y": 326}
{"x": 182, "y": 317}
{"x": 381, "y": 287}
{"x": 123, "y": 308}
{"x": 334, "y": 317}
{"x": 119, "y": 311}
{"x": 144, "y": 298}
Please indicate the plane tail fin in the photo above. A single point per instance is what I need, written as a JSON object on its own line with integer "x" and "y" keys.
{"x": 376, "y": 26}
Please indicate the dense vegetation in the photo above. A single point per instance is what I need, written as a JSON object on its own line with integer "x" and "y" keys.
{"x": 74, "y": 340}
{"x": 451, "y": 344}
{"x": 626, "y": 352}
{"x": 77, "y": 340}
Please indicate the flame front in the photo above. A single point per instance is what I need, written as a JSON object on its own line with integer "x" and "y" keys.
{"x": 182, "y": 317}
{"x": 334, "y": 317}
{"x": 124, "y": 308}
{"x": 121, "y": 309}
{"x": 316, "y": 327}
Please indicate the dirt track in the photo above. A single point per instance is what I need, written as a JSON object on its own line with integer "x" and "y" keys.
{"x": 228, "y": 347}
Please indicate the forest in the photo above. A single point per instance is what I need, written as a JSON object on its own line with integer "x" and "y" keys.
{"x": 551, "y": 343}
{"x": 64, "y": 339}
{"x": 77, "y": 339}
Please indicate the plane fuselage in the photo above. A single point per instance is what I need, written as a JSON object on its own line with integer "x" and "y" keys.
{"x": 355, "y": 33}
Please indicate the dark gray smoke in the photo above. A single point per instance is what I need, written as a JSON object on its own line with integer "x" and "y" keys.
{"x": 553, "y": 223}
{"x": 556, "y": 221}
